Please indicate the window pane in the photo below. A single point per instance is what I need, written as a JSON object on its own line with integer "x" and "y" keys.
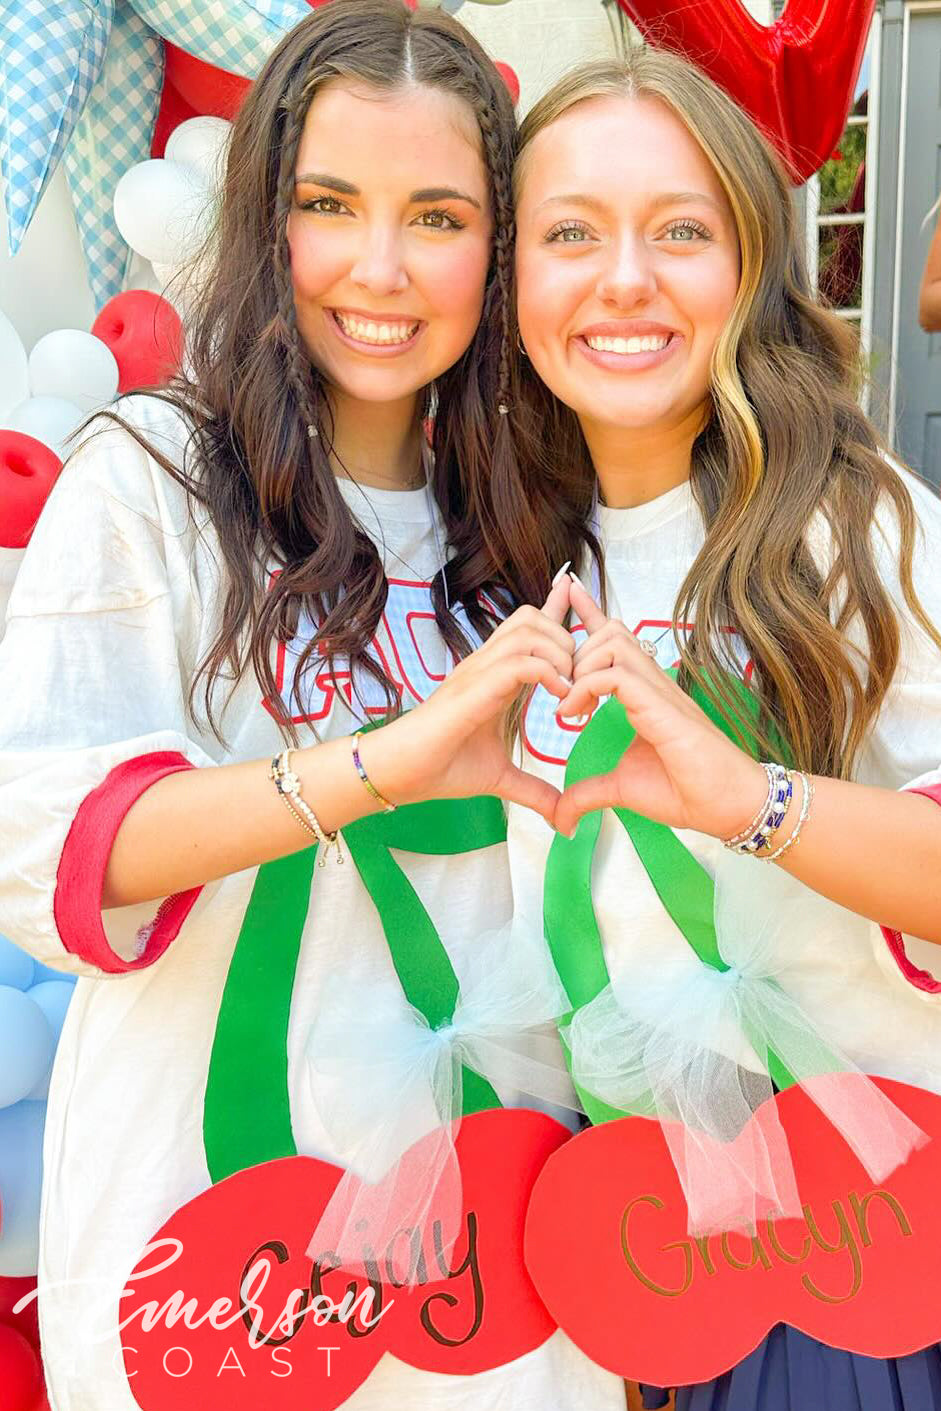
{"x": 841, "y": 265}
{"x": 843, "y": 177}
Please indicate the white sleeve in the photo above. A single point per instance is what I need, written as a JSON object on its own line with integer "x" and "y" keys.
{"x": 92, "y": 707}
{"x": 904, "y": 751}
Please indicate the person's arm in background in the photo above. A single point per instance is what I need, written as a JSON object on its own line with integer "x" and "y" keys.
{"x": 929, "y": 299}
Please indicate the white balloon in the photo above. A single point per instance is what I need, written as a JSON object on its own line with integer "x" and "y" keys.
{"x": 49, "y": 419}
{"x": 14, "y": 382}
{"x": 201, "y": 145}
{"x": 75, "y": 366}
{"x": 163, "y": 210}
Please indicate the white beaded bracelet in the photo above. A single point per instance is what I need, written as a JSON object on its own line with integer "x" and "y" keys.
{"x": 289, "y": 789}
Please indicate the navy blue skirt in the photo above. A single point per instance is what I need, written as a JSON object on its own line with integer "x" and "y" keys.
{"x": 792, "y": 1372}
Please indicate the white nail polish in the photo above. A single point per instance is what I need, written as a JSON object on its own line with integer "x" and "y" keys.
{"x": 575, "y": 579}
{"x": 562, "y": 572}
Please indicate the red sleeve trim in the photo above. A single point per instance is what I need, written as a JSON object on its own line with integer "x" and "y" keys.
{"x": 921, "y": 979}
{"x": 81, "y": 873}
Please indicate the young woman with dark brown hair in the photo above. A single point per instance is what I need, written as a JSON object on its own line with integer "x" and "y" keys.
{"x": 269, "y": 554}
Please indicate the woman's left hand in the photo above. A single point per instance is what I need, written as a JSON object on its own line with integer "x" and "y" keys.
{"x": 681, "y": 769}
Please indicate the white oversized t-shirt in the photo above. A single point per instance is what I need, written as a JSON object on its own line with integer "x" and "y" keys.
{"x": 875, "y": 998}
{"x": 116, "y": 600}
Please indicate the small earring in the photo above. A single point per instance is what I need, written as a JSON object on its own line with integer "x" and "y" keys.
{"x": 519, "y": 344}
{"x": 312, "y": 431}
{"x": 503, "y": 409}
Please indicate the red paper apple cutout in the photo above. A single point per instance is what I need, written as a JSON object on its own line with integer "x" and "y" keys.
{"x": 470, "y": 1311}
{"x": 28, "y": 471}
{"x": 27, "y": 1320}
{"x": 607, "y": 1247}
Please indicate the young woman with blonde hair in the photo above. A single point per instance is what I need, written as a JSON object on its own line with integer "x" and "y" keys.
{"x": 741, "y": 534}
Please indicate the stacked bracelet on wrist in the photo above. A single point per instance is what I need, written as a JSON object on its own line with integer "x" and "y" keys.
{"x": 368, "y": 785}
{"x": 289, "y": 788}
{"x": 757, "y": 839}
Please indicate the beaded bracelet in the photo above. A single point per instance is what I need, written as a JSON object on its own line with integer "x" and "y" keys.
{"x": 289, "y": 789}
{"x": 370, "y": 787}
{"x": 806, "y": 801}
{"x": 769, "y": 817}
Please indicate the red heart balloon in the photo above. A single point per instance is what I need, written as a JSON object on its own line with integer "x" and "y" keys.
{"x": 173, "y": 111}
{"x": 28, "y": 471}
{"x": 794, "y": 78}
{"x": 468, "y": 1312}
{"x": 208, "y": 90}
{"x": 607, "y": 1246}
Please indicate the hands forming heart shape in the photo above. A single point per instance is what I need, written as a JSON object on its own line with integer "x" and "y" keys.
{"x": 680, "y": 769}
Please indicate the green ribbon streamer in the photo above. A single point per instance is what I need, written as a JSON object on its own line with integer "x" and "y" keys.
{"x": 682, "y": 884}
{"x": 247, "y": 1114}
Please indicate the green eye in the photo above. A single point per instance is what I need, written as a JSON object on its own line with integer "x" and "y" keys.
{"x": 571, "y": 234}
{"x": 684, "y": 232}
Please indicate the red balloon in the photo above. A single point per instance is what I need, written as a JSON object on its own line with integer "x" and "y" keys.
{"x": 21, "y": 1382}
{"x": 209, "y": 92}
{"x": 145, "y": 335}
{"x": 173, "y": 111}
{"x": 28, "y": 471}
{"x": 794, "y": 78}
{"x": 509, "y": 78}
{"x": 27, "y": 1321}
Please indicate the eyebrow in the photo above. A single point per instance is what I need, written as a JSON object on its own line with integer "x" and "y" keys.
{"x": 667, "y": 198}
{"x": 346, "y": 188}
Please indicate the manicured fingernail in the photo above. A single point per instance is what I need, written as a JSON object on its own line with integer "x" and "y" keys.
{"x": 568, "y": 681}
{"x": 562, "y": 572}
{"x": 575, "y": 579}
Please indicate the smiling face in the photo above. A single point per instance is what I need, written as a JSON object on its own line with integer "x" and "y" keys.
{"x": 627, "y": 264}
{"x": 389, "y": 236}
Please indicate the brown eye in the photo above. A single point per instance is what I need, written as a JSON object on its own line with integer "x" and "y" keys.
{"x": 325, "y": 205}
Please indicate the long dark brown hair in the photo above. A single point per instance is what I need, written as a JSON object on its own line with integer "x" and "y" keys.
{"x": 786, "y": 442}
{"x": 250, "y": 390}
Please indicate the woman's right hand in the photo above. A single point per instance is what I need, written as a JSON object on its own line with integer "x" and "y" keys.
{"x": 454, "y": 744}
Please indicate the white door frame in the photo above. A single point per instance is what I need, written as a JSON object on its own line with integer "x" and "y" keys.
{"x": 916, "y": 7}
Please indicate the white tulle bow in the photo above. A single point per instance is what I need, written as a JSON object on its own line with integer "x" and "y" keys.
{"x": 388, "y": 1089}
{"x": 693, "y": 1051}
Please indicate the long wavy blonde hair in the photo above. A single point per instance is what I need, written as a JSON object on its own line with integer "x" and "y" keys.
{"x": 787, "y": 441}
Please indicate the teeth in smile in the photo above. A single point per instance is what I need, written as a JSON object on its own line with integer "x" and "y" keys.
{"x": 628, "y": 345}
{"x": 365, "y": 331}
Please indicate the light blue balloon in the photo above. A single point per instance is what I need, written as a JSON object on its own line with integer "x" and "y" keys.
{"x": 53, "y": 998}
{"x": 47, "y": 972}
{"x": 21, "y": 1130}
{"x": 16, "y": 967}
{"x": 26, "y": 1045}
